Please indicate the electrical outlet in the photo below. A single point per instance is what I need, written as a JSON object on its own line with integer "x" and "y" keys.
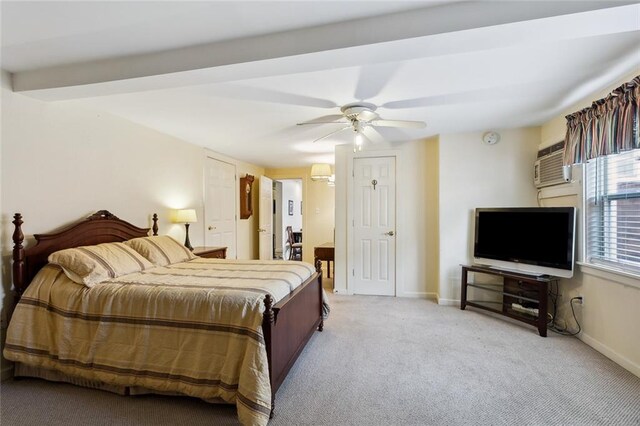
{"x": 581, "y": 300}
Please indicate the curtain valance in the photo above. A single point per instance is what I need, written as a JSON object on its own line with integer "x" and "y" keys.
{"x": 608, "y": 126}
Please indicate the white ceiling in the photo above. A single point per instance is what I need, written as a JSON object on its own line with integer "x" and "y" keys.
{"x": 236, "y": 77}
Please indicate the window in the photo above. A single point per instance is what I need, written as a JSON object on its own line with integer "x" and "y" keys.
{"x": 613, "y": 211}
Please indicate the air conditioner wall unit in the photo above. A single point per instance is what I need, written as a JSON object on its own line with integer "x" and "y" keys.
{"x": 548, "y": 169}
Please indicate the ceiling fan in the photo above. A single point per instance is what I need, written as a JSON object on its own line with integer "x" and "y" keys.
{"x": 359, "y": 117}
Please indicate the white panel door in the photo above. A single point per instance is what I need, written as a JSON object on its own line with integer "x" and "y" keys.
{"x": 220, "y": 205}
{"x": 265, "y": 221}
{"x": 374, "y": 225}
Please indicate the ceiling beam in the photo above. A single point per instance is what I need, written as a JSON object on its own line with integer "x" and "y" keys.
{"x": 437, "y": 30}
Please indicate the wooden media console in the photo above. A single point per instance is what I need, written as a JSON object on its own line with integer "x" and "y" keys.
{"x": 519, "y": 296}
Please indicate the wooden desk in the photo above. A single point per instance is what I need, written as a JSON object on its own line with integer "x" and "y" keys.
{"x": 325, "y": 252}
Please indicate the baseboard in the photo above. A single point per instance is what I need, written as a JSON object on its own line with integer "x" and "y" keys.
{"x": 611, "y": 354}
{"x": 420, "y": 295}
{"x": 417, "y": 295}
{"x": 447, "y": 302}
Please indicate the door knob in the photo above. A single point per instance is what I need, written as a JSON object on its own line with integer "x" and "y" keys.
{"x": 390, "y": 233}
{"x": 211, "y": 228}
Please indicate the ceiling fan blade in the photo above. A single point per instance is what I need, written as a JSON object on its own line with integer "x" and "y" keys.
{"x": 464, "y": 97}
{"x": 373, "y": 135}
{"x": 392, "y": 135}
{"x": 372, "y": 79}
{"x": 321, "y": 122}
{"x": 332, "y": 133}
{"x": 236, "y": 91}
{"x": 415, "y": 103}
{"x": 326, "y": 119}
{"x": 400, "y": 123}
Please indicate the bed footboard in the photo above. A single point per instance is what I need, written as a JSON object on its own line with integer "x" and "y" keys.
{"x": 288, "y": 326}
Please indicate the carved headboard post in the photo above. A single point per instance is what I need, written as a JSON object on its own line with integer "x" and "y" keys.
{"x": 18, "y": 255}
{"x": 101, "y": 227}
{"x": 155, "y": 225}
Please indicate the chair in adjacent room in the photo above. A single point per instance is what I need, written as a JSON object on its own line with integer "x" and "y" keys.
{"x": 295, "y": 249}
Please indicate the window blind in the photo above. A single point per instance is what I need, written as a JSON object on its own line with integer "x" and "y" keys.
{"x": 613, "y": 211}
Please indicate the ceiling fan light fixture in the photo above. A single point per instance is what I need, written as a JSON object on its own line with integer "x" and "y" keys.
{"x": 358, "y": 141}
{"x": 320, "y": 172}
{"x": 358, "y": 138}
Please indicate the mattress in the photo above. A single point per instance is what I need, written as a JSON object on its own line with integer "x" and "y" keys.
{"x": 192, "y": 328}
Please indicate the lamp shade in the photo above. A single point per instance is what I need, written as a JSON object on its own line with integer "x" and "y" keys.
{"x": 186, "y": 216}
{"x": 320, "y": 172}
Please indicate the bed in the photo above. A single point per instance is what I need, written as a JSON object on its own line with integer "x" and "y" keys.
{"x": 265, "y": 338}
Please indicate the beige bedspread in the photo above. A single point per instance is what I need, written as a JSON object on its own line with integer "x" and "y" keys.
{"x": 192, "y": 327}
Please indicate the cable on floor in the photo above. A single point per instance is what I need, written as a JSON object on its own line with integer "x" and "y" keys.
{"x": 564, "y": 331}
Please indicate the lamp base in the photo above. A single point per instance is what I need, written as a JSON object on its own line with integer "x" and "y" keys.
{"x": 187, "y": 243}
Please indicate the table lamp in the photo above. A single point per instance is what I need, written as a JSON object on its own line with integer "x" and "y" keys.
{"x": 186, "y": 216}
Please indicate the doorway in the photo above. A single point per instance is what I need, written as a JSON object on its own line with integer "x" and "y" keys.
{"x": 287, "y": 211}
{"x": 220, "y": 205}
{"x": 265, "y": 219}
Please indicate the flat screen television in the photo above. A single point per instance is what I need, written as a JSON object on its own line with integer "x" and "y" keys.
{"x": 530, "y": 240}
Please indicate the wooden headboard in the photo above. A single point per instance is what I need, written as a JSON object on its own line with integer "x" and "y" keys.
{"x": 101, "y": 227}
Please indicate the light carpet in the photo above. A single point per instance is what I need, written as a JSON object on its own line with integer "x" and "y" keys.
{"x": 387, "y": 361}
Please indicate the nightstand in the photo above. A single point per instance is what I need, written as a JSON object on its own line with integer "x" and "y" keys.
{"x": 211, "y": 252}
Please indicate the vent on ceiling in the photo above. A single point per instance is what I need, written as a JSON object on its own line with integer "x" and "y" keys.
{"x": 548, "y": 169}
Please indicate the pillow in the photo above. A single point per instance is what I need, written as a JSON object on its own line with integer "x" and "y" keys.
{"x": 161, "y": 251}
{"x": 90, "y": 265}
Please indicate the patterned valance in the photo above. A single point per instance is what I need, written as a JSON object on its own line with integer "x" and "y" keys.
{"x": 608, "y": 126}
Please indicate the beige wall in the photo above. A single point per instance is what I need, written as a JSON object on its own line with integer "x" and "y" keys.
{"x": 342, "y": 179}
{"x": 611, "y": 311}
{"x": 318, "y": 203}
{"x": 291, "y": 191}
{"x": 126, "y": 168}
{"x": 431, "y": 213}
{"x": 61, "y": 163}
{"x": 474, "y": 174}
{"x": 440, "y": 181}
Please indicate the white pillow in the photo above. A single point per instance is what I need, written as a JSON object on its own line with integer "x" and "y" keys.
{"x": 90, "y": 265}
{"x": 162, "y": 250}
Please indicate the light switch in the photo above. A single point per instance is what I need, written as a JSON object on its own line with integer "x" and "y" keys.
{"x": 317, "y": 210}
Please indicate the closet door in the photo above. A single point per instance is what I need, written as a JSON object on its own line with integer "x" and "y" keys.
{"x": 374, "y": 225}
{"x": 220, "y": 205}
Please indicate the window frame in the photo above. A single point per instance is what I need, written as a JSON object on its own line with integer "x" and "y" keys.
{"x": 604, "y": 261}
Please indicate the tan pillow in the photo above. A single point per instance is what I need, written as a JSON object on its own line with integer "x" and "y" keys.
{"x": 162, "y": 250}
{"x": 90, "y": 265}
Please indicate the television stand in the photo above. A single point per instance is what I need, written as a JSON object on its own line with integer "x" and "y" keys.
{"x": 519, "y": 296}
{"x": 516, "y": 271}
